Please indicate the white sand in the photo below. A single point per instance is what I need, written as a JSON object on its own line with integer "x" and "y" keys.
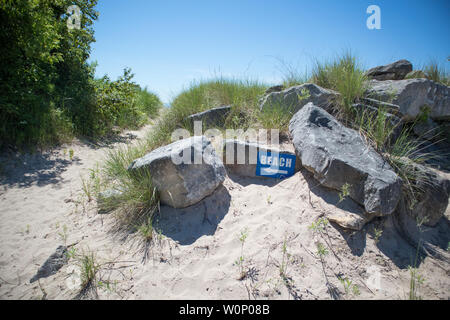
{"x": 194, "y": 256}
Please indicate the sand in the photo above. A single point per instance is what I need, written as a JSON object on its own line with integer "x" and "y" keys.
{"x": 194, "y": 253}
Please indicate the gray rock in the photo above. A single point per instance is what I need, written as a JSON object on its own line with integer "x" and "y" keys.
{"x": 427, "y": 129}
{"x": 394, "y": 71}
{"x": 243, "y": 157}
{"x": 350, "y": 220}
{"x": 389, "y": 107}
{"x": 412, "y": 95}
{"x": 415, "y": 74}
{"x": 212, "y": 117}
{"x": 183, "y": 172}
{"x": 338, "y": 157}
{"x": 294, "y": 98}
{"x": 434, "y": 199}
{"x": 51, "y": 266}
{"x": 274, "y": 89}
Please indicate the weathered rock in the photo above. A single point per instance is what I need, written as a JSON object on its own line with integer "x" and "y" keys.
{"x": 294, "y": 98}
{"x": 415, "y": 74}
{"x": 412, "y": 95}
{"x": 427, "y": 129}
{"x": 274, "y": 89}
{"x": 350, "y": 220}
{"x": 51, "y": 266}
{"x": 389, "y": 107}
{"x": 433, "y": 200}
{"x": 340, "y": 159}
{"x": 243, "y": 156}
{"x": 394, "y": 71}
{"x": 183, "y": 172}
{"x": 212, "y": 117}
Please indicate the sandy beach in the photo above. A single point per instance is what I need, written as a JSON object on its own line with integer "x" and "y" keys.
{"x": 196, "y": 251}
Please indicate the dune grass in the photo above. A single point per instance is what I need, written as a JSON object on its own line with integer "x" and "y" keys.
{"x": 437, "y": 73}
{"x": 432, "y": 71}
{"x": 345, "y": 75}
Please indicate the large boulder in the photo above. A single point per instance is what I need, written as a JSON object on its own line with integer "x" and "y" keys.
{"x": 211, "y": 117}
{"x": 183, "y": 172}
{"x": 433, "y": 197}
{"x": 394, "y": 71}
{"x": 240, "y": 157}
{"x": 294, "y": 98}
{"x": 340, "y": 159}
{"x": 412, "y": 96}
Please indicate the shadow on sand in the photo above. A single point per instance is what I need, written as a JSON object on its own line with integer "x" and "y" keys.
{"x": 41, "y": 168}
{"x": 109, "y": 141}
{"x": 400, "y": 237}
{"x": 189, "y": 224}
{"x": 245, "y": 181}
{"x": 46, "y": 167}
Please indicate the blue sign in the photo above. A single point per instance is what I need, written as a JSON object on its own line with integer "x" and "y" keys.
{"x": 276, "y": 165}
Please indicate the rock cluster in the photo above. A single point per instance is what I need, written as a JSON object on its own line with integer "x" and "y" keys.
{"x": 187, "y": 171}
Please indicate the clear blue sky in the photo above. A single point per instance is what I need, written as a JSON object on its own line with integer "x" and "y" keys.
{"x": 170, "y": 43}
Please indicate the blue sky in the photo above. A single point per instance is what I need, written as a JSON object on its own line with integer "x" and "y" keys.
{"x": 168, "y": 44}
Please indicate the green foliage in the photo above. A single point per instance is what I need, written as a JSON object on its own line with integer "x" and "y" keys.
{"x": 322, "y": 251}
{"x": 240, "y": 261}
{"x": 349, "y": 286}
{"x": 345, "y": 192}
{"x": 416, "y": 281}
{"x": 377, "y": 234}
{"x": 286, "y": 259}
{"x": 48, "y": 88}
{"x": 319, "y": 225}
{"x": 146, "y": 229}
{"x": 120, "y": 103}
{"x": 43, "y": 68}
{"x": 376, "y": 127}
{"x": 89, "y": 268}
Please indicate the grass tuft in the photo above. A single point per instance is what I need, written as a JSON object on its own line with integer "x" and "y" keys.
{"x": 344, "y": 75}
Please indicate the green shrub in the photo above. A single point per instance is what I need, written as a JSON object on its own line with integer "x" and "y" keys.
{"x": 43, "y": 69}
{"x": 120, "y": 103}
{"x": 48, "y": 91}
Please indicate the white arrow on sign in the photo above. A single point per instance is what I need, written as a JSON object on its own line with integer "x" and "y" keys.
{"x": 270, "y": 171}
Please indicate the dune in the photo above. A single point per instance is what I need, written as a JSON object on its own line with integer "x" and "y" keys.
{"x": 196, "y": 252}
